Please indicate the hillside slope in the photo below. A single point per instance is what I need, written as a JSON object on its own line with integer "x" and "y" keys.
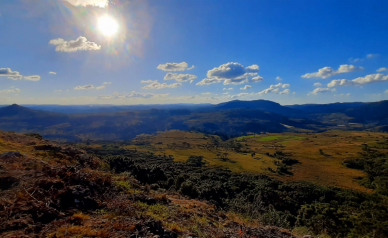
{"x": 50, "y": 190}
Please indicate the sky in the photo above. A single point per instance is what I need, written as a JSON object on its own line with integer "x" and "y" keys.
{"x": 193, "y": 51}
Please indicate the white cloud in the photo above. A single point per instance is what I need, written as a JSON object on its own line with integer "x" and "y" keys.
{"x": 239, "y": 95}
{"x": 326, "y": 72}
{"x": 51, "y": 72}
{"x": 322, "y": 90}
{"x": 10, "y": 90}
{"x": 257, "y": 79}
{"x": 274, "y": 88}
{"x": 32, "y": 78}
{"x": 317, "y": 84}
{"x": 386, "y": 91}
{"x": 231, "y": 73}
{"x": 180, "y": 77}
{"x": 372, "y": 55}
{"x": 74, "y": 45}
{"x": 84, "y": 87}
{"x": 358, "y": 81}
{"x": 15, "y": 75}
{"x": 348, "y": 94}
{"x": 246, "y": 87}
{"x": 7, "y": 72}
{"x": 382, "y": 69}
{"x": 100, "y": 87}
{"x": 84, "y": 3}
{"x": 192, "y": 67}
{"x": 106, "y": 83}
{"x": 227, "y": 89}
{"x": 278, "y": 78}
{"x": 207, "y": 93}
{"x": 154, "y": 84}
{"x": 173, "y": 66}
{"x": 285, "y": 91}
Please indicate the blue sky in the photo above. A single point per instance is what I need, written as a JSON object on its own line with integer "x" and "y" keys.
{"x": 290, "y": 52}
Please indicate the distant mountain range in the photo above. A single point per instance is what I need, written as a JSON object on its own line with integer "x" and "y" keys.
{"x": 228, "y": 119}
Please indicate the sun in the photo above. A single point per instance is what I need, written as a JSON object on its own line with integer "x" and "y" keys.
{"x": 108, "y": 25}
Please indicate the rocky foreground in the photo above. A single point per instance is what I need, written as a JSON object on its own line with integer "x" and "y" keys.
{"x": 51, "y": 190}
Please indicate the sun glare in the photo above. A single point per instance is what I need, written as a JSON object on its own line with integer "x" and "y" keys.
{"x": 108, "y": 25}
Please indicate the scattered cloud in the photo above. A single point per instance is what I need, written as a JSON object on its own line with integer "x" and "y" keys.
{"x": 173, "y": 66}
{"x": 326, "y": 72}
{"x": 317, "y": 84}
{"x": 386, "y": 91}
{"x": 10, "y": 90}
{"x": 154, "y": 84}
{"x": 84, "y": 3}
{"x": 358, "y": 81}
{"x": 15, "y": 75}
{"x": 192, "y": 67}
{"x": 81, "y": 44}
{"x": 7, "y": 72}
{"x": 239, "y": 95}
{"x": 227, "y": 89}
{"x": 322, "y": 90}
{"x": 85, "y": 87}
{"x": 231, "y": 73}
{"x": 285, "y": 91}
{"x": 32, "y": 78}
{"x": 100, "y": 87}
{"x": 257, "y": 79}
{"x": 382, "y": 69}
{"x": 246, "y": 87}
{"x": 369, "y": 56}
{"x": 278, "y": 78}
{"x": 51, "y": 72}
{"x": 206, "y": 93}
{"x": 106, "y": 83}
{"x": 274, "y": 88}
{"x": 180, "y": 77}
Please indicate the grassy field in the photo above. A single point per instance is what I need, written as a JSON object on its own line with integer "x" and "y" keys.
{"x": 321, "y": 155}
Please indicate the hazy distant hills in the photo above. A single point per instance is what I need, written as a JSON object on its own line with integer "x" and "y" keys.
{"x": 229, "y": 119}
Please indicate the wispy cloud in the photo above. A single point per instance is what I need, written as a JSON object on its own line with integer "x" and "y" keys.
{"x": 10, "y": 90}
{"x": 278, "y": 78}
{"x": 246, "y": 87}
{"x": 368, "y": 56}
{"x": 382, "y": 69}
{"x": 275, "y": 88}
{"x": 317, "y": 84}
{"x": 154, "y": 84}
{"x": 85, "y": 87}
{"x": 51, "y": 72}
{"x": 32, "y": 78}
{"x": 15, "y": 75}
{"x": 322, "y": 90}
{"x": 80, "y": 44}
{"x": 227, "y": 89}
{"x": 107, "y": 83}
{"x": 326, "y": 72}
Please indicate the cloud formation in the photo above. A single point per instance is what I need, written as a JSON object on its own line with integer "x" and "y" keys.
{"x": 231, "y": 73}
{"x": 275, "y": 88}
{"x": 278, "y": 78}
{"x": 7, "y": 72}
{"x": 371, "y": 78}
{"x": 246, "y": 87}
{"x": 317, "y": 84}
{"x": 154, "y": 84}
{"x": 192, "y": 67}
{"x": 85, "y": 87}
{"x": 10, "y": 90}
{"x": 32, "y": 78}
{"x": 84, "y": 3}
{"x": 322, "y": 90}
{"x": 326, "y": 72}
{"x": 15, "y": 75}
{"x": 80, "y": 44}
{"x": 227, "y": 89}
{"x": 133, "y": 94}
{"x": 180, "y": 77}
{"x": 106, "y": 83}
{"x": 173, "y": 66}
{"x": 382, "y": 69}
{"x": 368, "y": 56}
{"x": 51, "y": 72}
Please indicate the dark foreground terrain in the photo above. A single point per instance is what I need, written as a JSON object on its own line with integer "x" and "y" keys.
{"x": 54, "y": 190}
